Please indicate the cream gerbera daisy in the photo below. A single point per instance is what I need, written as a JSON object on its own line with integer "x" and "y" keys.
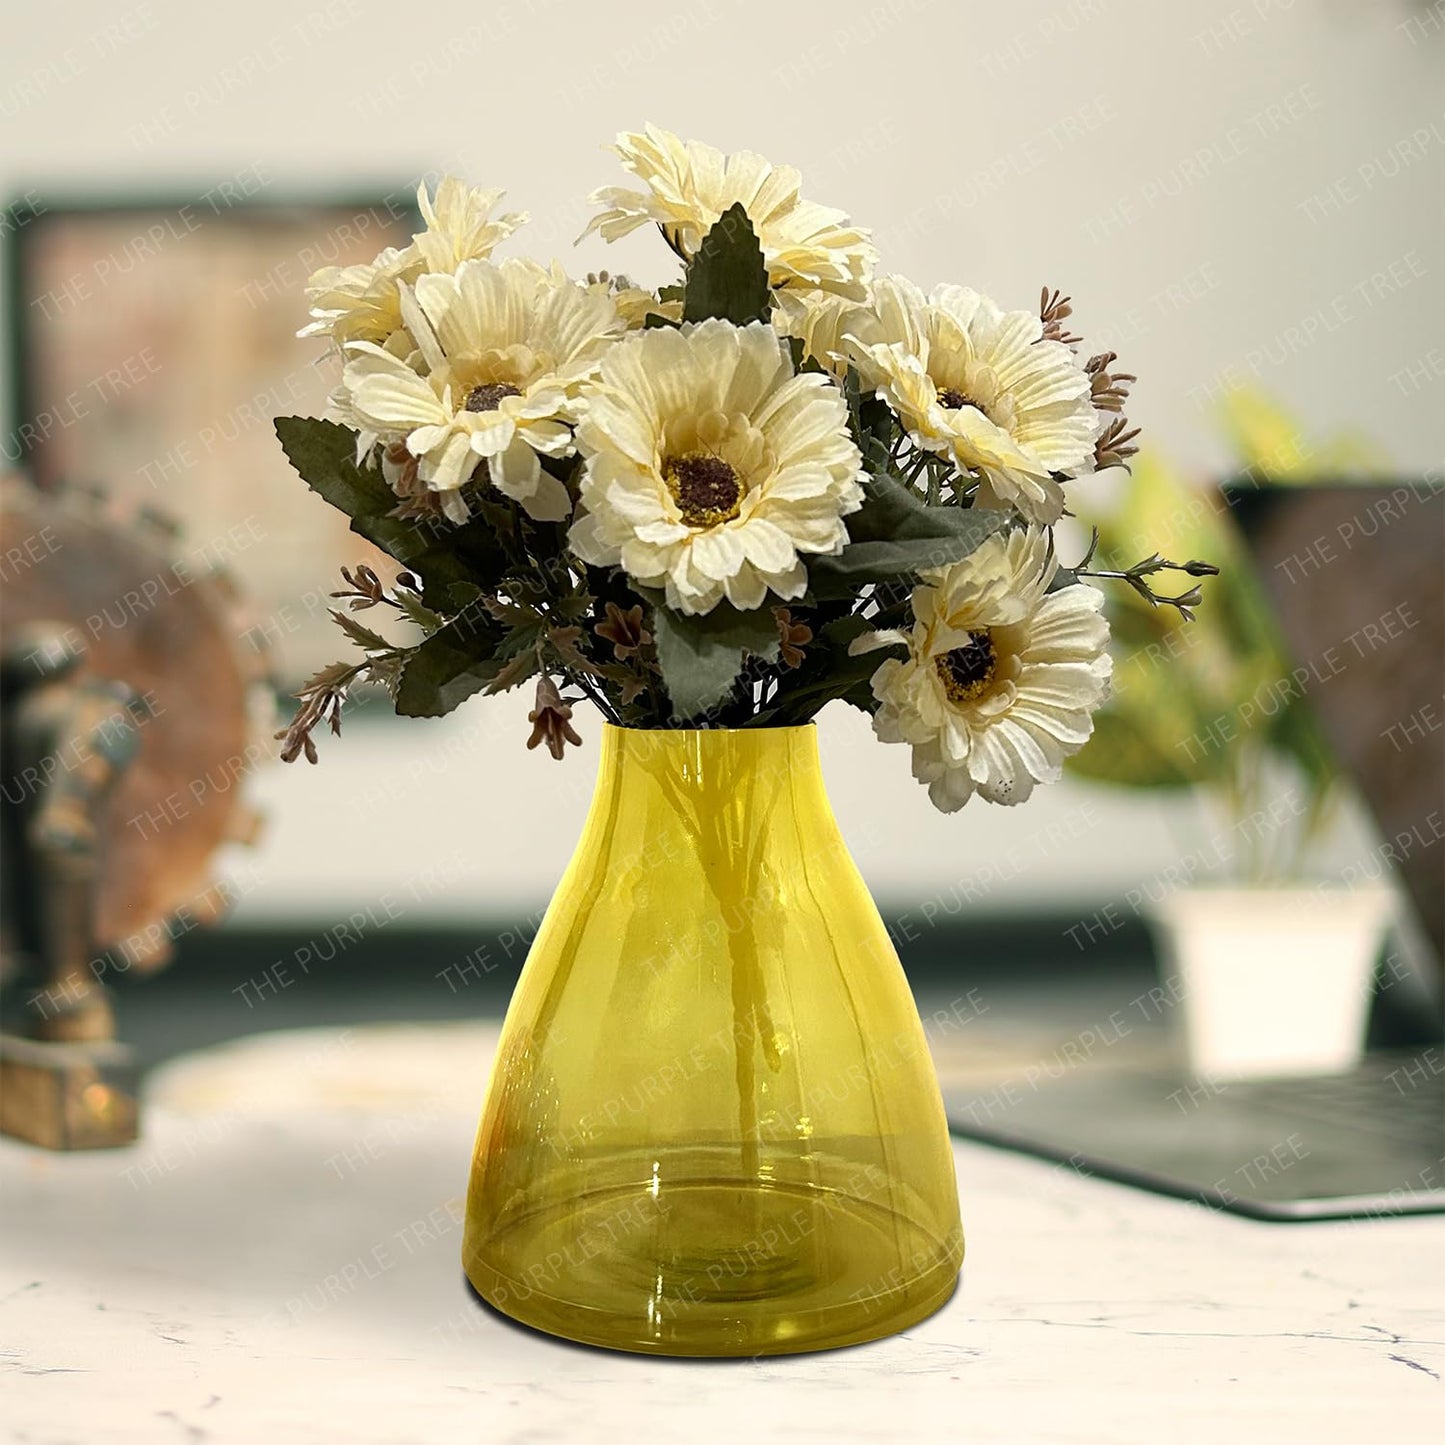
{"x": 822, "y": 321}
{"x": 690, "y": 185}
{"x": 460, "y": 225}
{"x": 362, "y": 303}
{"x": 712, "y": 467}
{"x": 502, "y": 351}
{"x": 981, "y": 387}
{"x": 1002, "y": 676}
{"x": 634, "y": 304}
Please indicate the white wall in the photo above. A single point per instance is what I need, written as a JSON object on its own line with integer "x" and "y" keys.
{"x": 1249, "y": 189}
{"x": 1169, "y": 163}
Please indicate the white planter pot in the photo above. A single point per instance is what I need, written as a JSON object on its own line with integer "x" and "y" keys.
{"x": 1273, "y": 982}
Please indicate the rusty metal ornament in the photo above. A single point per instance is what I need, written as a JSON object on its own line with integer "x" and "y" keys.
{"x": 165, "y": 620}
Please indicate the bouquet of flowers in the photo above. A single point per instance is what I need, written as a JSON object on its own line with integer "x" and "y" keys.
{"x": 774, "y": 481}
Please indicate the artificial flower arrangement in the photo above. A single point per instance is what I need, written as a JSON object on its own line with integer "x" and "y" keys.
{"x": 774, "y": 481}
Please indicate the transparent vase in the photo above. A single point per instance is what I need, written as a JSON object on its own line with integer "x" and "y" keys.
{"x": 713, "y": 1125}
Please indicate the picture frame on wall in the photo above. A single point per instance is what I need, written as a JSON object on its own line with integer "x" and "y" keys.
{"x": 152, "y": 340}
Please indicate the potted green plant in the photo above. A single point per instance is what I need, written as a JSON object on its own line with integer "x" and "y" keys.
{"x": 1273, "y": 970}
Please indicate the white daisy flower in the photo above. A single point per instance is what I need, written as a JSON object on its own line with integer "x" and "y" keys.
{"x": 712, "y": 468}
{"x": 363, "y": 302}
{"x": 690, "y": 185}
{"x": 502, "y": 351}
{"x": 1002, "y": 676}
{"x": 822, "y": 321}
{"x": 981, "y": 387}
{"x": 460, "y": 225}
{"x": 634, "y": 303}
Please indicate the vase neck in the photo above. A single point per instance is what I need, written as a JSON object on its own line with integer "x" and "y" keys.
{"x": 727, "y": 796}
{"x": 713, "y": 765}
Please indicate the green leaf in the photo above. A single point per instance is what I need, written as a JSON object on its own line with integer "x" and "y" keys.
{"x": 1175, "y": 682}
{"x": 896, "y": 534}
{"x": 872, "y": 422}
{"x": 441, "y": 555}
{"x": 701, "y": 657}
{"x": 515, "y": 671}
{"x": 727, "y": 277}
{"x": 359, "y": 633}
{"x": 523, "y": 633}
{"x": 462, "y": 595}
{"x": 417, "y": 612}
{"x": 517, "y": 654}
{"x": 1126, "y": 750}
{"x": 829, "y": 672}
{"x": 1297, "y": 733}
{"x": 449, "y": 666}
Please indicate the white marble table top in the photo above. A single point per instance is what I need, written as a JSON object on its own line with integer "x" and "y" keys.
{"x": 278, "y": 1261}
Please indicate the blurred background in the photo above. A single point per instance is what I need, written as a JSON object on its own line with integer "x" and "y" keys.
{"x": 1244, "y": 200}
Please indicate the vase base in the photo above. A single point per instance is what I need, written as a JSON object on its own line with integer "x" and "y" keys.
{"x": 714, "y": 1267}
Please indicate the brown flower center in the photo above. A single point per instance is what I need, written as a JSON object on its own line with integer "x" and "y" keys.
{"x": 705, "y": 488}
{"x": 967, "y": 671}
{"x": 489, "y": 397}
{"x": 955, "y": 400}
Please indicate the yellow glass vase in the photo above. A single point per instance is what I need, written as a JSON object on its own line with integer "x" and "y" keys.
{"x": 713, "y": 1126}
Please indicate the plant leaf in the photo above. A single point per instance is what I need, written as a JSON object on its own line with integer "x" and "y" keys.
{"x": 325, "y": 456}
{"x": 1297, "y": 733}
{"x": 727, "y": 277}
{"x": 515, "y": 670}
{"x": 456, "y": 661}
{"x": 896, "y": 534}
{"x": 701, "y": 657}
{"x": 829, "y": 671}
{"x": 1126, "y": 749}
{"x": 418, "y": 612}
{"x": 359, "y": 633}
{"x": 1174, "y": 680}
{"x": 872, "y": 422}
{"x": 461, "y": 595}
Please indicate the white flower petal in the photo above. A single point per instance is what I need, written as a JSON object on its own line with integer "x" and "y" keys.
{"x": 718, "y": 552}
{"x": 516, "y": 471}
{"x": 549, "y": 502}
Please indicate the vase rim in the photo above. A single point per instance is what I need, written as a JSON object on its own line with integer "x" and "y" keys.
{"x": 623, "y": 730}
{"x": 1320, "y": 888}
{"x": 1262, "y": 901}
